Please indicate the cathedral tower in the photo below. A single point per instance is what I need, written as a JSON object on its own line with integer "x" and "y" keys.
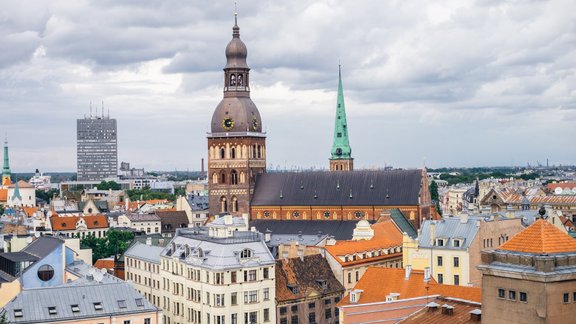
{"x": 341, "y": 159}
{"x": 6, "y": 169}
{"x": 236, "y": 143}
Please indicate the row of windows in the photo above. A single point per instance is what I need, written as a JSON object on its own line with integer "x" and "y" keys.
{"x": 218, "y": 278}
{"x": 255, "y": 151}
{"x": 196, "y": 316}
{"x": 512, "y": 295}
{"x": 456, "y": 279}
{"x": 455, "y": 261}
{"x": 445, "y": 241}
{"x": 312, "y": 317}
{"x": 233, "y": 179}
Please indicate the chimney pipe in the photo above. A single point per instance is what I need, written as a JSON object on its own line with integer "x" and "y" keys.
{"x": 432, "y": 232}
{"x": 408, "y": 271}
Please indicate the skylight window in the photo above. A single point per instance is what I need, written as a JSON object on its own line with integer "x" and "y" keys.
{"x": 18, "y": 313}
{"x": 52, "y": 310}
{"x": 122, "y": 303}
{"x": 98, "y": 306}
{"x": 75, "y": 308}
{"x": 139, "y": 302}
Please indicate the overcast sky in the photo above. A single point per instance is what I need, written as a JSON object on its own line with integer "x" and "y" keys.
{"x": 449, "y": 82}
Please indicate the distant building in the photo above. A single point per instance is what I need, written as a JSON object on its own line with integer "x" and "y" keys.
{"x": 531, "y": 278}
{"x": 97, "y": 148}
{"x": 72, "y": 226}
{"x": 306, "y": 290}
{"x": 148, "y": 223}
{"x": 451, "y": 247}
{"x": 341, "y": 153}
{"x": 40, "y": 181}
{"x": 215, "y": 279}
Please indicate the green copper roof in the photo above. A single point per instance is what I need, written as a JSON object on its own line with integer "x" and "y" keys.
{"x": 341, "y": 147}
{"x": 16, "y": 194}
{"x": 6, "y": 168}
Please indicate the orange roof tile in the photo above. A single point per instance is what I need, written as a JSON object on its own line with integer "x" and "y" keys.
{"x": 156, "y": 201}
{"x": 68, "y": 223}
{"x": 104, "y": 264}
{"x": 377, "y": 283}
{"x": 30, "y": 210}
{"x": 3, "y": 194}
{"x": 562, "y": 185}
{"x": 21, "y": 184}
{"x": 386, "y": 235}
{"x": 541, "y": 238}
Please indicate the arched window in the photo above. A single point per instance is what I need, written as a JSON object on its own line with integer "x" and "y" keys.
{"x": 223, "y": 178}
{"x": 232, "y": 79}
{"x": 222, "y": 153}
{"x": 233, "y": 153}
{"x": 234, "y": 204}
{"x": 242, "y": 177}
{"x": 240, "y": 80}
{"x": 223, "y": 205}
{"x": 259, "y": 151}
{"x": 234, "y": 177}
{"x": 254, "y": 150}
{"x": 214, "y": 178}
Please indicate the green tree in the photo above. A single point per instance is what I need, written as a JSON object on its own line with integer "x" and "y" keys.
{"x": 105, "y": 185}
{"x": 115, "y": 242}
{"x": 47, "y": 195}
{"x": 433, "y": 190}
{"x": 3, "y": 319}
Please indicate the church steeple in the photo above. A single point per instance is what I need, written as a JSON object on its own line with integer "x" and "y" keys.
{"x": 341, "y": 154}
{"x": 6, "y": 169}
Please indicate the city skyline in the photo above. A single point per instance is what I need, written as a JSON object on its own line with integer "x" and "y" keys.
{"x": 449, "y": 83}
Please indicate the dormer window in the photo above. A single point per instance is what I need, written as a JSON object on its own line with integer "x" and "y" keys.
{"x": 323, "y": 284}
{"x": 18, "y": 313}
{"x": 355, "y": 295}
{"x": 440, "y": 242}
{"x": 246, "y": 253}
{"x": 75, "y": 308}
{"x": 52, "y": 310}
{"x": 98, "y": 306}
{"x": 293, "y": 288}
{"x": 457, "y": 242}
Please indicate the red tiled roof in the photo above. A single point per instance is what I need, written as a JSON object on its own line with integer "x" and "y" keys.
{"x": 21, "y": 184}
{"x": 377, "y": 283}
{"x": 68, "y": 223}
{"x": 540, "y": 238}
{"x": 386, "y": 235}
{"x": 460, "y": 313}
{"x": 104, "y": 264}
{"x": 562, "y": 185}
{"x": 30, "y": 210}
{"x": 3, "y": 194}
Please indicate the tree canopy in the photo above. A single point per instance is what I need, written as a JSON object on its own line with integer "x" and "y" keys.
{"x": 115, "y": 242}
{"x": 105, "y": 185}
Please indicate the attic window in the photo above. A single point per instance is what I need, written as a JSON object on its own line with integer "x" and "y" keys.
{"x": 139, "y": 302}
{"x": 440, "y": 242}
{"x": 98, "y": 306}
{"x": 75, "y": 308}
{"x": 322, "y": 283}
{"x": 18, "y": 313}
{"x": 95, "y": 223}
{"x": 293, "y": 288}
{"x": 52, "y": 310}
{"x": 456, "y": 242}
{"x": 246, "y": 253}
{"x": 122, "y": 303}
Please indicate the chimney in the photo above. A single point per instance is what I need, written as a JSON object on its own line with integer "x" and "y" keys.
{"x": 463, "y": 218}
{"x": 476, "y": 315}
{"x": 267, "y": 235}
{"x": 148, "y": 241}
{"x": 447, "y": 309}
{"x": 407, "y": 273}
{"x": 227, "y": 219}
{"x": 285, "y": 255}
{"x": 432, "y": 232}
{"x": 427, "y": 274}
{"x": 301, "y": 253}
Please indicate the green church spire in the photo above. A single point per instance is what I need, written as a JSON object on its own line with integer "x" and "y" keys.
{"x": 6, "y": 169}
{"x": 341, "y": 147}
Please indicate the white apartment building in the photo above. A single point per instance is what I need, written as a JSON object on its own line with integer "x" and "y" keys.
{"x": 142, "y": 267}
{"x": 217, "y": 277}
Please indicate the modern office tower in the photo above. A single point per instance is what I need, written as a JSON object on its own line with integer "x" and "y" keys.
{"x": 97, "y": 148}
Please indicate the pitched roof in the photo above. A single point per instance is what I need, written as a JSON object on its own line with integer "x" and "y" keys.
{"x": 305, "y": 275}
{"x": 340, "y": 230}
{"x": 386, "y": 235}
{"x": 171, "y": 220}
{"x": 145, "y": 252}
{"x": 402, "y": 223}
{"x": 450, "y": 228}
{"x": 322, "y": 188}
{"x": 43, "y": 246}
{"x": 67, "y": 223}
{"x": 34, "y": 303}
{"x": 377, "y": 283}
{"x": 21, "y": 184}
{"x": 143, "y": 217}
{"x": 460, "y": 313}
{"x": 540, "y": 238}
{"x": 107, "y": 263}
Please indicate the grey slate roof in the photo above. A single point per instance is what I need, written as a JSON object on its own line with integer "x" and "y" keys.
{"x": 219, "y": 253}
{"x": 43, "y": 245}
{"x": 34, "y": 303}
{"x": 87, "y": 272}
{"x": 322, "y": 188}
{"x": 402, "y": 223}
{"x": 19, "y": 256}
{"x": 340, "y": 230}
{"x": 143, "y": 217}
{"x": 450, "y": 228}
{"x": 5, "y": 277}
{"x": 145, "y": 252}
{"x": 171, "y": 220}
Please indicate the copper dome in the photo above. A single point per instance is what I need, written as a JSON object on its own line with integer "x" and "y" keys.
{"x": 236, "y": 51}
{"x": 241, "y": 110}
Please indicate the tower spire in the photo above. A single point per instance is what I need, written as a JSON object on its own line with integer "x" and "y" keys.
{"x": 6, "y": 169}
{"x": 341, "y": 154}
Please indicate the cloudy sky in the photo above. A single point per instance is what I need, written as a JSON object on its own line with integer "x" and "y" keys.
{"x": 449, "y": 82}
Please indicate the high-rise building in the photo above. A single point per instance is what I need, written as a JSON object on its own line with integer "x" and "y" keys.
{"x": 341, "y": 154}
{"x": 97, "y": 148}
{"x": 236, "y": 143}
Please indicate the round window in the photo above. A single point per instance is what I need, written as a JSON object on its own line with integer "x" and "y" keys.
{"x": 296, "y": 214}
{"x": 45, "y": 272}
{"x": 327, "y": 214}
{"x": 359, "y": 214}
{"x": 266, "y": 214}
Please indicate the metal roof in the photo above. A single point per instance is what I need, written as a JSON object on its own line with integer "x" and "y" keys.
{"x": 43, "y": 246}
{"x": 145, "y": 252}
{"x": 340, "y": 230}
{"x": 219, "y": 253}
{"x": 34, "y": 303}
{"x": 450, "y": 228}
{"x": 19, "y": 256}
{"x": 322, "y": 188}
{"x": 402, "y": 223}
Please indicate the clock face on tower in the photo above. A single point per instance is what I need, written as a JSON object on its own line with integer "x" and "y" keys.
{"x": 228, "y": 123}
{"x": 338, "y": 151}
